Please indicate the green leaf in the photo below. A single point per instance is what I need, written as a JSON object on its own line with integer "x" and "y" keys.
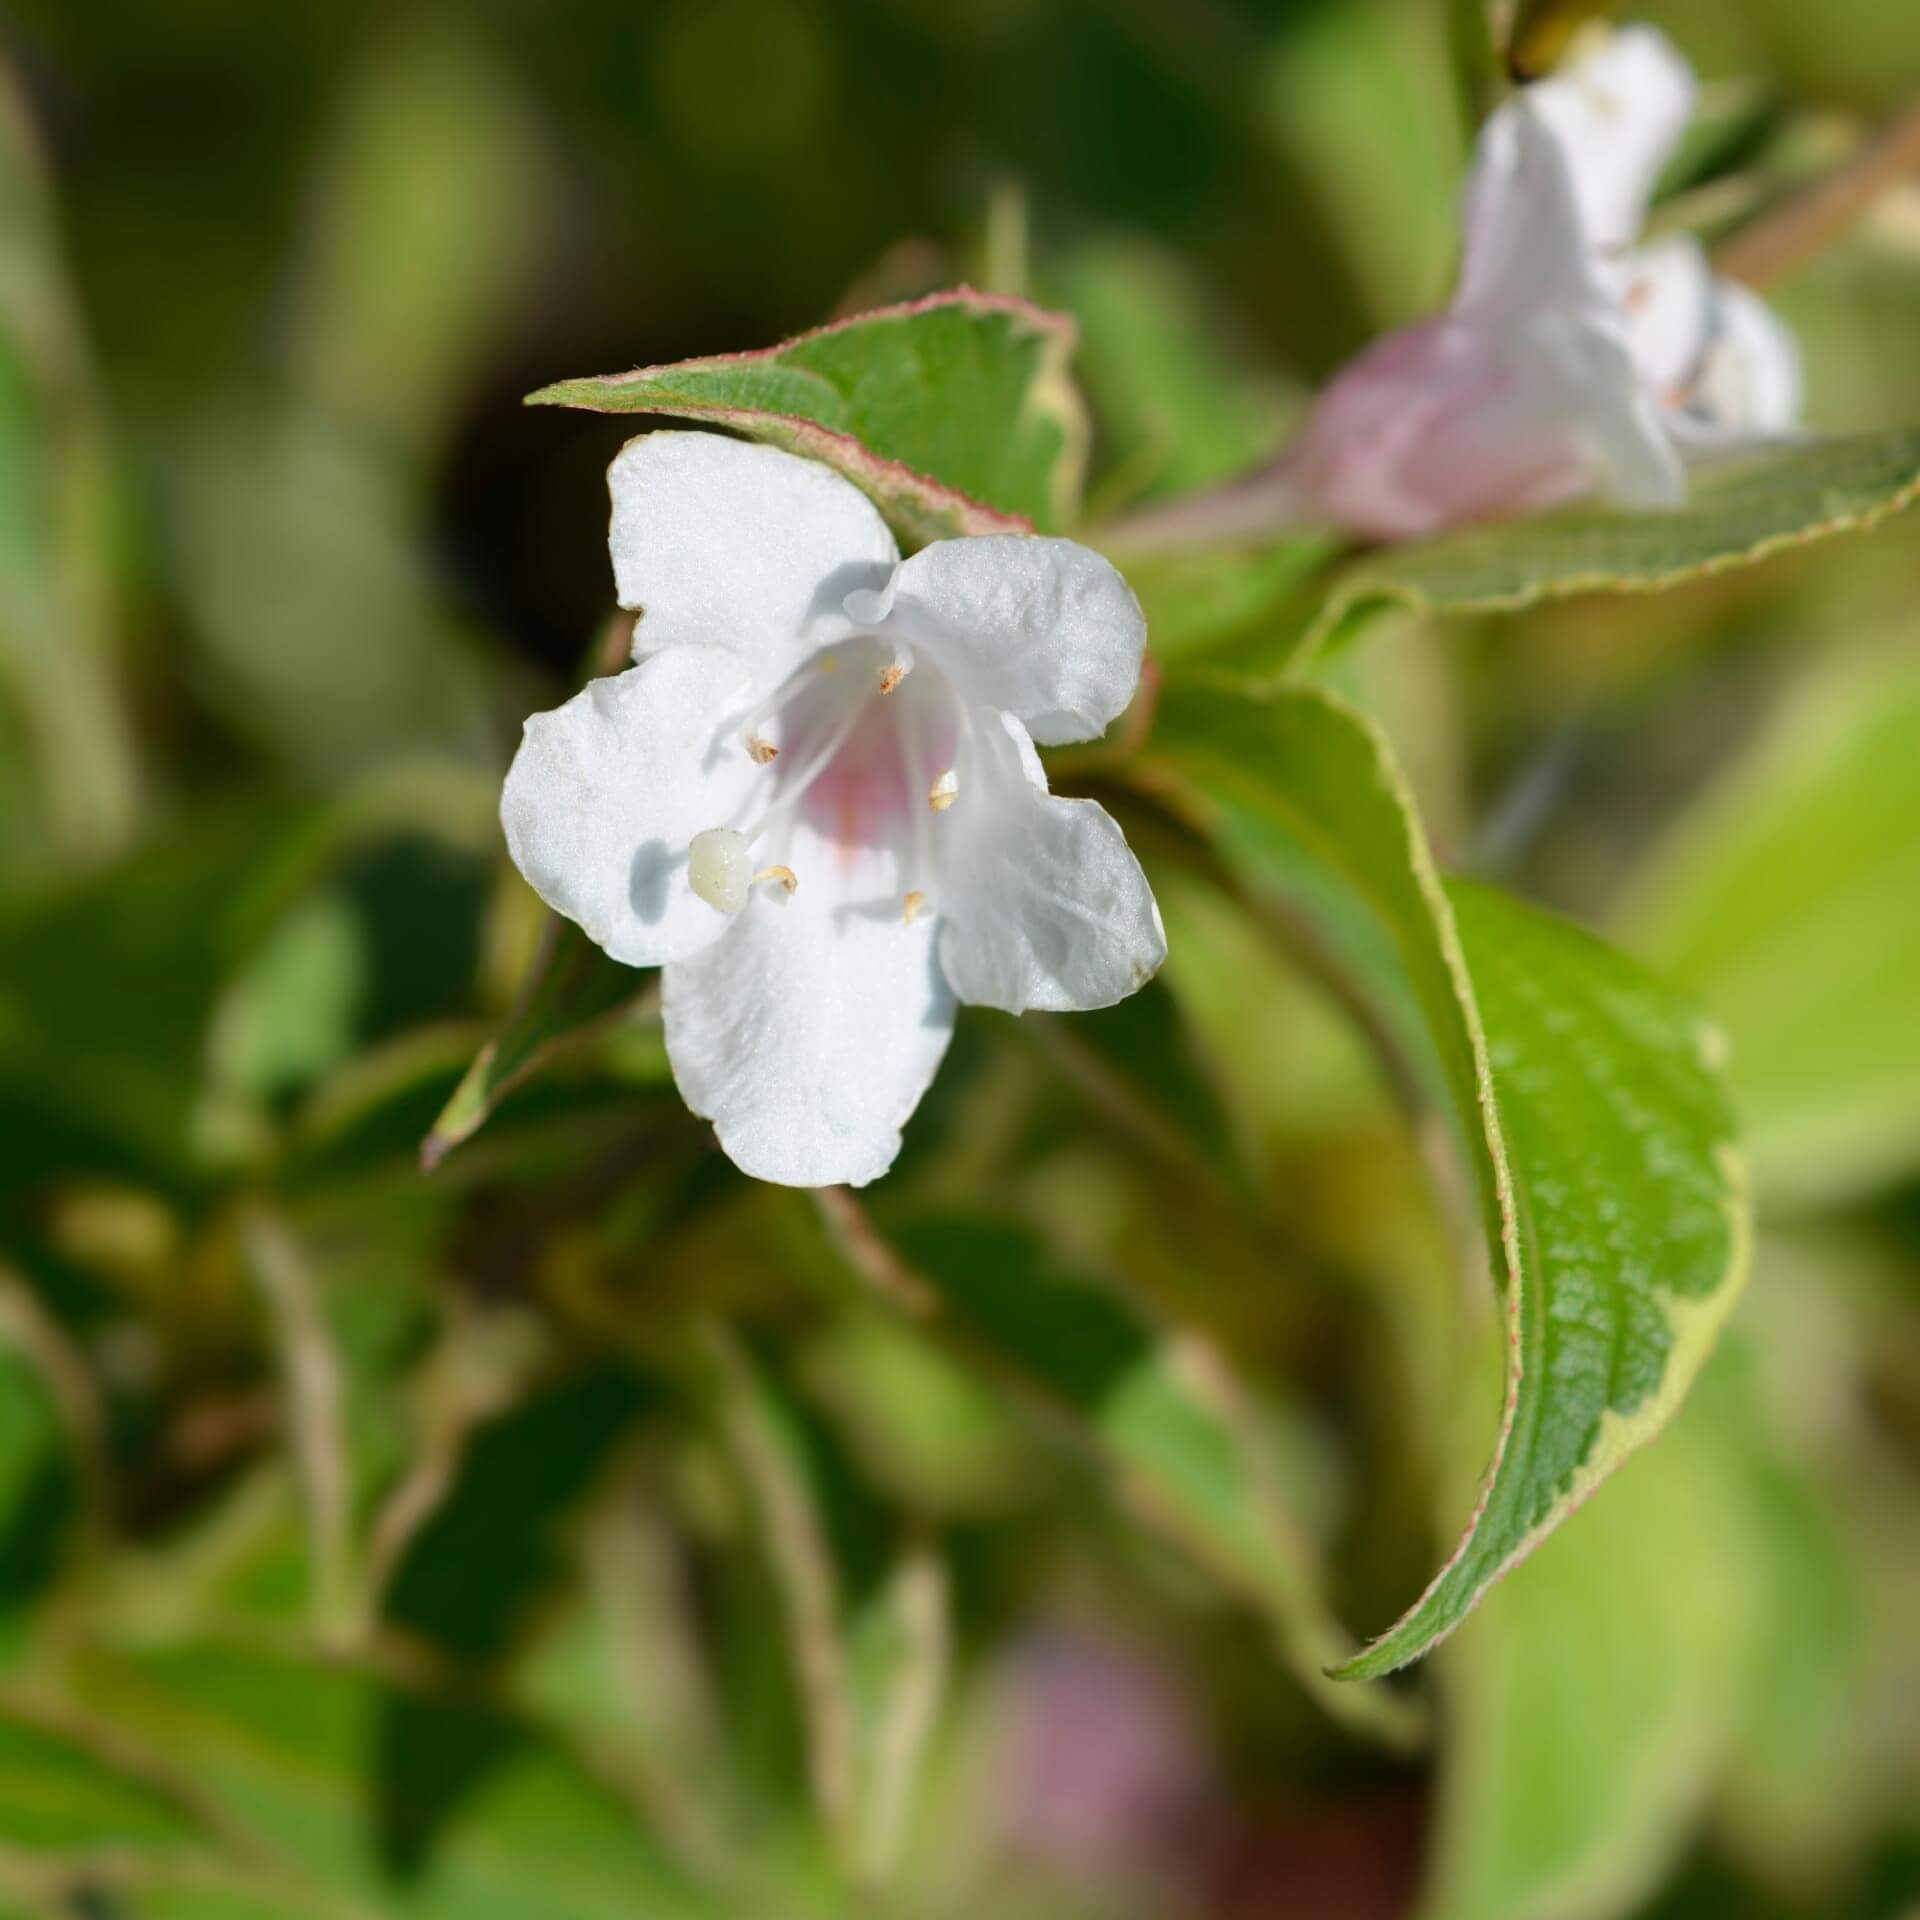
{"x": 56, "y": 542}
{"x": 1740, "y": 514}
{"x": 401, "y": 1802}
{"x": 39, "y": 1489}
{"x": 61, "y": 1793}
{"x": 572, "y": 995}
{"x": 955, "y": 414}
{"x": 427, "y": 212}
{"x": 866, "y": 1624}
{"x": 1789, "y": 901}
{"x": 1181, "y": 1441}
{"x": 474, "y": 1572}
{"x": 1581, "y": 1092}
{"x": 1594, "y": 1697}
{"x": 1175, "y": 409}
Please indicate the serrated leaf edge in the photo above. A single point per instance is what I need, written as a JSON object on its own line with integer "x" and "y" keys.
{"x": 945, "y": 511}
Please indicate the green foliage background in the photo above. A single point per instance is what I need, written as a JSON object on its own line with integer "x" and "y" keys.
{"x": 575, "y": 1529}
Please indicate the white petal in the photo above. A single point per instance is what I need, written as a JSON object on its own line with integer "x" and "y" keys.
{"x": 1525, "y": 246}
{"x": 607, "y": 791}
{"x": 808, "y": 1034}
{"x": 1548, "y": 322}
{"x": 1618, "y": 113}
{"x": 724, "y": 543}
{"x": 1669, "y": 299}
{"x": 1750, "y": 382}
{"x": 1045, "y": 629}
{"x": 1042, "y": 903}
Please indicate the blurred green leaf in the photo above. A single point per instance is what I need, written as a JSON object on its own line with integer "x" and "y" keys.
{"x": 955, "y": 414}
{"x": 1359, "y": 98}
{"x": 866, "y": 1624}
{"x": 1182, "y": 1441}
{"x": 1581, "y": 1094}
{"x": 39, "y": 1491}
{"x": 400, "y": 1802}
{"x": 1789, "y": 900}
{"x": 493, "y": 1546}
{"x": 1592, "y": 1699}
{"x": 572, "y": 995}
{"x": 56, "y": 541}
{"x": 1175, "y": 410}
{"x": 321, "y": 629}
{"x": 427, "y": 212}
{"x": 61, "y": 1793}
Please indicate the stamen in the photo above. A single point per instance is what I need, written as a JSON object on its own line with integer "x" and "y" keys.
{"x": 913, "y": 907}
{"x": 761, "y": 749}
{"x": 944, "y": 791}
{"x": 779, "y": 875}
{"x": 891, "y": 676}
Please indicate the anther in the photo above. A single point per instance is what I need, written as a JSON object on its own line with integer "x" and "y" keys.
{"x": 761, "y": 748}
{"x": 780, "y": 876}
{"x": 944, "y": 791}
{"x": 913, "y": 907}
{"x": 891, "y": 676}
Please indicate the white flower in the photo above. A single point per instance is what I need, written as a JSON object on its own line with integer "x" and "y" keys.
{"x": 816, "y": 804}
{"x": 1569, "y": 360}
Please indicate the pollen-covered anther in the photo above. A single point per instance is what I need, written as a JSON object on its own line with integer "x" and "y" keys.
{"x": 913, "y": 907}
{"x": 761, "y": 748}
{"x": 944, "y": 791}
{"x": 891, "y": 676}
{"x": 778, "y": 876}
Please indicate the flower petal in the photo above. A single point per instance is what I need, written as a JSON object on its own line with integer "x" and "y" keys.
{"x": 808, "y": 1035}
{"x": 607, "y": 791}
{"x": 723, "y": 543}
{"x": 1750, "y": 382}
{"x": 1042, "y": 903}
{"x": 1618, "y": 113}
{"x": 1669, "y": 299}
{"x": 1525, "y": 247}
{"x": 1045, "y": 629}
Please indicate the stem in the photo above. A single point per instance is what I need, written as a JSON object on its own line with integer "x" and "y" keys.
{"x": 1781, "y": 242}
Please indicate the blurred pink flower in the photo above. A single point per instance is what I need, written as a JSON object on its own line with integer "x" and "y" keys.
{"x": 1104, "y": 1769}
{"x": 1570, "y": 361}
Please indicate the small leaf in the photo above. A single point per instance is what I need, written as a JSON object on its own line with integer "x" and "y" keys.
{"x": 1179, "y": 1438}
{"x": 572, "y": 995}
{"x": 955, "y": 414}
{"x": 1580, "y": 1090}
{"x": 1789, "y": 900}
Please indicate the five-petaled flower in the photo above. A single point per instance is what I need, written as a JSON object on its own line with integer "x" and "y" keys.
{"x": 1569, "y": 361}
{"x": 815, "y": 801}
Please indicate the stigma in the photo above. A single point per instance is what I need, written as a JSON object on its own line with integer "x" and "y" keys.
{"x": 720, "y": 869}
